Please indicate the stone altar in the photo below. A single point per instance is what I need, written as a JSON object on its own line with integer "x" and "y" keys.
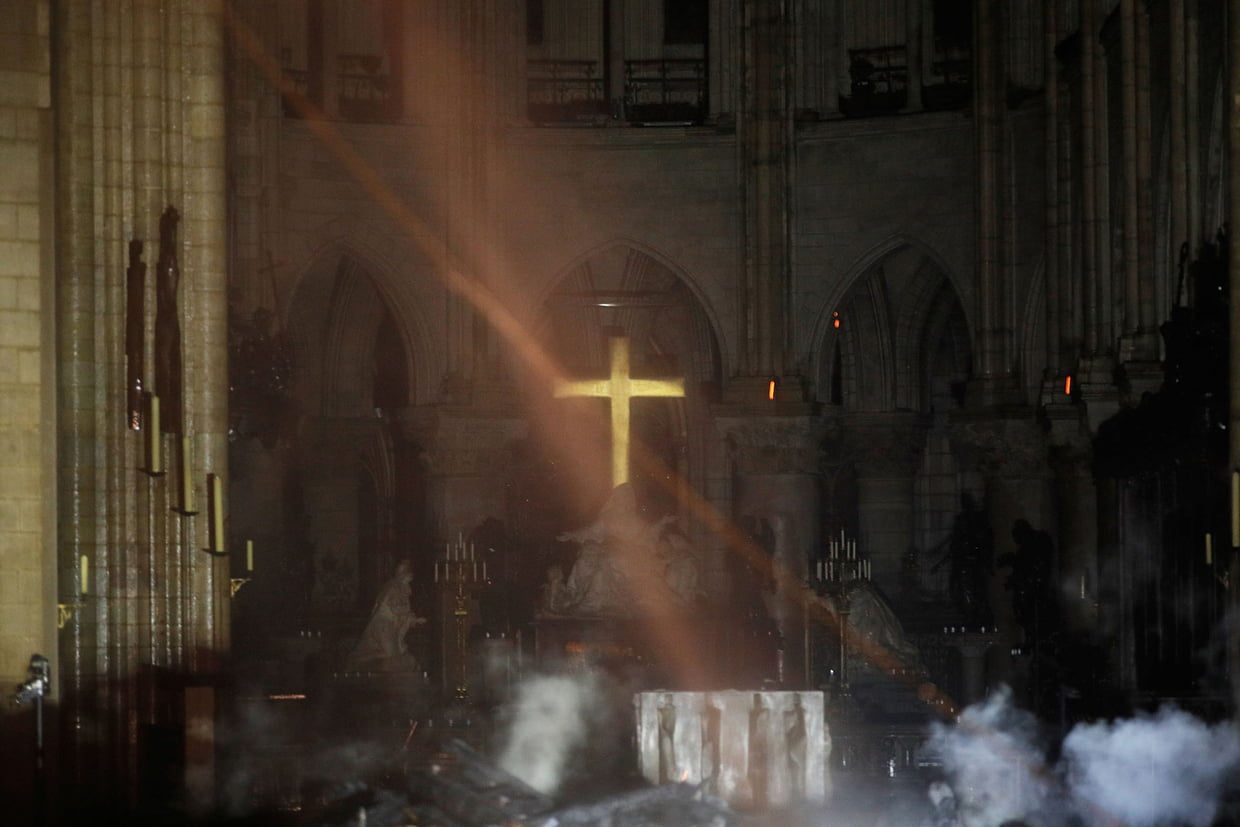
{"x": 752, "y": 749}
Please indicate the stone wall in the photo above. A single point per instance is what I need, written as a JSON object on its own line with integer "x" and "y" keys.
{"x": 27, "y": 575}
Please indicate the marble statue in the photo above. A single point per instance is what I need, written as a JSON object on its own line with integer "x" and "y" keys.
{"x": 873, "y": 626}
{"x": 681, "y": 572}
{"x": 381, "y": 647}
{"x": 620, "y": 560}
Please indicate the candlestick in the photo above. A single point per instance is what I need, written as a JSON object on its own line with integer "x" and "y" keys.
{"x": 217, "y": 513}
{"x": 436, "y": 571}
{"x": 84, "y": 563}
{"x": 249, "y": 555}
{"x": 1209, "y": 549}
{"x": 1082, "y": 586}
{"x": 187, "y": 478}
{"x": 475, "y": 567}
{"x": 484, "y": 568}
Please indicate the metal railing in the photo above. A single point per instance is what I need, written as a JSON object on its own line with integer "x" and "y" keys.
{"x": 565, "y": 91}
{"x": 879, "y": 78}
{"x": 296, "y": 81}
{"x": 666, "y": 90}
{"x": 365, "y": 92}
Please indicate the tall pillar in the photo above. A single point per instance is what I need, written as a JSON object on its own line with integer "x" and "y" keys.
{"x": 468, "y": 453}
{"x": 1010, "y": 454}
{"x": 776, "y": 478}
{"x": 764, "y": 158}
{"x": 139, "y": 99}
{"x": 888, "y": 449}
{"x": 1233, "y": 194}
{"x": 993, "y": 328}
{"x": 913, "y": 41}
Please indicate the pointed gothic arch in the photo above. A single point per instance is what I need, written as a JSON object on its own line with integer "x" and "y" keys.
{"x": 896, "y": 298}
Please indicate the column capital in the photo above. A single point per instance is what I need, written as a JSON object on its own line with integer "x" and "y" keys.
{"x": 772, "y": 443}
{"x": 1001, "y": 443}
{"x": 881, "y": 444}
{"x": 464, "y": 440}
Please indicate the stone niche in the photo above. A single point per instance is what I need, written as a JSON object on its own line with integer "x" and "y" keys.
{"x": 752, "y": 749}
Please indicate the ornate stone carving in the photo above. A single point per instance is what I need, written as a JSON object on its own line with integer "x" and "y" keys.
{"x": 881, "y": 443}
{"x": 466, "y": 442}
{"x": 1004, "y": 446}
{"x": 773, "y": 444}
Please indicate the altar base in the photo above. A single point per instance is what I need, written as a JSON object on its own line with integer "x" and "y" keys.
{"x": 752, "y": 749}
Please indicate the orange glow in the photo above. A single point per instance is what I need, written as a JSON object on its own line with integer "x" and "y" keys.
{"x": 770, "y": 389}
{"x": 1067, "y": 385}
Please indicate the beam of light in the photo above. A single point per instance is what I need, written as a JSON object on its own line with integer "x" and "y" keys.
{"x": 674, "y": 637}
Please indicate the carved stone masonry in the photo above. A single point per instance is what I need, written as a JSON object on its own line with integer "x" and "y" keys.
{"x": 1000, "y": 446}
{"x": 773, "y": 444}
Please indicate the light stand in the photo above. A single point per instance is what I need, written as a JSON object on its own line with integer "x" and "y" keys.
{"x": 37, "y": 686}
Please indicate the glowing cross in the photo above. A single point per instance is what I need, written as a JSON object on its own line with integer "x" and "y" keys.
{"x": 620, "y": 387}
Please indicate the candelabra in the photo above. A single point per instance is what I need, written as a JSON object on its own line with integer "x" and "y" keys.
{"x": 459, "y": 573}
{"x": 834, "y": 574}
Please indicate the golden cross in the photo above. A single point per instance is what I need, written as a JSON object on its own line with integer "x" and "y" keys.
{"x": 620, "y": 387}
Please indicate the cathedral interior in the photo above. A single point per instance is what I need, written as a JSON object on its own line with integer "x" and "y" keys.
{"x": 626, "y": 412}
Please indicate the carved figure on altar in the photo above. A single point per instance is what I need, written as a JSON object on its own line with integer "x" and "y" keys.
{"x": 619, "y": 552}
{"x": 382, "y": 646}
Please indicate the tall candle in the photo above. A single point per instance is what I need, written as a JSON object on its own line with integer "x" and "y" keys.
{"x": 436, "y": 571}
{"x": 1209, "y": 549}
{"x": 249, "y": 555}
{"x": 154, "y": 458}
{"x": 187, "y": 481}
{"x": 484, "y": 568}
{"x": 84, "y": 562}
{"x": 1082, "y": 586}
{"x": 217, "y": 513}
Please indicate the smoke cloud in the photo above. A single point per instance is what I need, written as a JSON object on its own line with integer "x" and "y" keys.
{"x": 993, "y": 763}
{"x": 1170, "y": 768}
{"x": 1149, "y": 771}
{"x": 547, "y": 724}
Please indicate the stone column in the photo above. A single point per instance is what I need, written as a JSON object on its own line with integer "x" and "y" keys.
{"x": 764, "y": 157}
{"x": 139, "y": 98}
{"x": 615, "y": 57}
{"x": 887, "y": 449}
{"x": 1010, "y": 454}
{"x": 913, "y": 41}
{"x": 1233, "y": 190}
{"x": 469, "y": 448}
{"x": 1051, "y": 238}
{"x": 776, "y": 478}
{"x": 973, "y": 648}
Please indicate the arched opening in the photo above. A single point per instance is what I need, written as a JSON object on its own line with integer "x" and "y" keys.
{"x": 353, "y": 503}
{"x": 618, "y": 291}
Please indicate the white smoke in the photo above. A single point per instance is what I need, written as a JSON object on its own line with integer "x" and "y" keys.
{"x": 1170, "y": 768}
{"x": 547, "y": 724}
{"x": 1148, "y": 771}
{"x": 992, "y": 762}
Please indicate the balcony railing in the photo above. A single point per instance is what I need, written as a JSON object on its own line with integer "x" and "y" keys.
{"x": 296, "y": 81}
{"x": 565, "y": 91}
{"x": 951, "y": 83}
{"x": 665, "y": 90}
{"x": 879, "y": 81}
{"x": 365, "y": 92}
